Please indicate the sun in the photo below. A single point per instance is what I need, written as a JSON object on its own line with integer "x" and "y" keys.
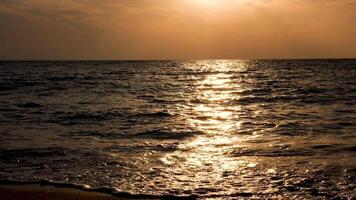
{"x": 207, "y": 3}
{"x": 219, "y": 3}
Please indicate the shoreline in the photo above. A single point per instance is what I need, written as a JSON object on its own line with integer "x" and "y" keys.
{"x": 40, "y": 192}
{"x": 46, "y": 190}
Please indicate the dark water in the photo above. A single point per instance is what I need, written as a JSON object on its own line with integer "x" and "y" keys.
{"x": 218, "y": 129}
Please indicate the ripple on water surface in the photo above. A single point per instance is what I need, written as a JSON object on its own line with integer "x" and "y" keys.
{"x": 210, "y": 128}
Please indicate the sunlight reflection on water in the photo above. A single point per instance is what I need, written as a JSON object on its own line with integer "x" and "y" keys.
{"x": 205, "y": 156}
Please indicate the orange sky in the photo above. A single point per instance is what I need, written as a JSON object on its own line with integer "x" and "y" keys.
{"x": 177, "y": 29}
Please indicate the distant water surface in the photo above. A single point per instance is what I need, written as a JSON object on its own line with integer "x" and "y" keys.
{"x": 279, "y": 129}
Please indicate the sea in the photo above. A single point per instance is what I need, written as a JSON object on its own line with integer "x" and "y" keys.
{"x": 206, "y": 129}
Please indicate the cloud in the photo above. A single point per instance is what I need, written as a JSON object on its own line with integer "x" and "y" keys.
{"x": 86, "y": 12}
{"x": 130, "y": 29}
{"x": 69, "y": 12}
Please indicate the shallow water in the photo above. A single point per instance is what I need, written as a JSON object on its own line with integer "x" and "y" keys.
{"x": 280, "y": 129}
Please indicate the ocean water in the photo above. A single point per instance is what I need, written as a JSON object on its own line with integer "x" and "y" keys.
{"x": 278, "y": 129}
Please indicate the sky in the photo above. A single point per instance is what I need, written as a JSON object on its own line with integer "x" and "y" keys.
{"x": 176, "y": 29}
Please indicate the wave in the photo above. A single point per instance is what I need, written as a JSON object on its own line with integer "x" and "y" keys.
{"x": 287, "y": 151}
{"x": 240, "y": 152}
{"x": 149, "y": 134}
{"x": 161, "y": 134}
{"x": 300, "y": 99}
{"x": 155, "y": 114}
{"x": 72, "y": 118}
{"x": 29, "y": 105}
{"x": 106, "y": 190}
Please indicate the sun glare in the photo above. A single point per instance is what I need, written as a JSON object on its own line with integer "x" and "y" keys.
{"x": 216, "y": 4}
{"x": 207, "y": 3}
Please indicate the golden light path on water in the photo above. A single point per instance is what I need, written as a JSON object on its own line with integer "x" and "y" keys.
{"x": 204, "y": 159}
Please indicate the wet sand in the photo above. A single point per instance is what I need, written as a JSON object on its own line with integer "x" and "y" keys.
{"x": 37, "y": 192}
{"x": 12, "y": 190}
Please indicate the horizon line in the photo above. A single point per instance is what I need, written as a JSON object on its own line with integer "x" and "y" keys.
{"x": 166, "y": 59}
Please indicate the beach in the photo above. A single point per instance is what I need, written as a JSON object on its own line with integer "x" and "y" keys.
{"x": 43, "y": 190}
{"x": 38, "y": 192}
